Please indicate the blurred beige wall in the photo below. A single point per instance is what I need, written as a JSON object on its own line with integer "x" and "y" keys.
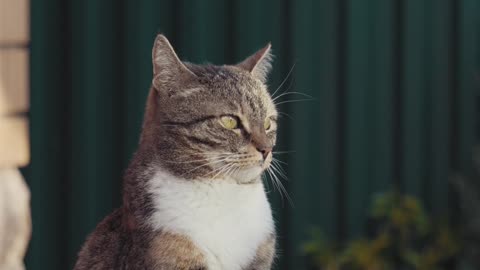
{"x": 15, "y": 223}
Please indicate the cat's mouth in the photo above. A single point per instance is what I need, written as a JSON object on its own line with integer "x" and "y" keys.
{"x": 243, "y": 168}
{"x": 249, "y": 169}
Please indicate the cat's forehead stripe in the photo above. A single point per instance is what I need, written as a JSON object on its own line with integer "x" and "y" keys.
{"x": 245, "y": 122}
{"x": 190, "y": 91}
{"x": 229, "y": 90}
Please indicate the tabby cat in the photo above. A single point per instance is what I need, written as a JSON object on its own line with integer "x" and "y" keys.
{"x": 193, "y": 196}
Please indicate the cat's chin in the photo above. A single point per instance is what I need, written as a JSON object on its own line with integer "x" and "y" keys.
{"x": 248, "y": 176}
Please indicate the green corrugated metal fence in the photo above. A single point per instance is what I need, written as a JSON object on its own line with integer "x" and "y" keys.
{"x": 393, "y": 86}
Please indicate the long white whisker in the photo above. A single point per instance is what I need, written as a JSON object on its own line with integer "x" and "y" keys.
{"x": 283, "y": 152}
{"x": 282, "y": 188}
{"x": 275, "y": 169}
{"x": 286, "y": 114}
{"x": 206, "y": 164}
{"x": 279, "y": 169}
{"x": 214, "y": 154}
{"x": 284, "y": 80}
{"x": 291, "y": 101}
{"x": 195, "y": 160}
{"x": 275, "y": 181}
{"x": 275, "y": 185}
{"x": 231, "y": 170}
{"x": 279, "y": 161}
{"x": 235, "y": 170}
{"x": 291, "y": 93}
{"x": 213, "y": 158}
{"x": 223, "y": 170}
{"x": 217, "y": 171}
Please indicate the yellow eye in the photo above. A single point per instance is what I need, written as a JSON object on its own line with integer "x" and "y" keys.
{"x": 229, "y": 122}
{"x": 268, "y": 124}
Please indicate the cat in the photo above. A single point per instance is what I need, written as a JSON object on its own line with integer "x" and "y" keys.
{"x": 193, "y": 196}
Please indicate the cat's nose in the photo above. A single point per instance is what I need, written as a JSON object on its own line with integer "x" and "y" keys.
{"x": 264, "y": 151}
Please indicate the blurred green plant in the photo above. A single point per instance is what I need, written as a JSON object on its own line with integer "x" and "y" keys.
{"x": 403, "y": 237}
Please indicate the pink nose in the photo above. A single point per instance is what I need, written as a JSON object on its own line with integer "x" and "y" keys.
{"x": 264, "y": 151}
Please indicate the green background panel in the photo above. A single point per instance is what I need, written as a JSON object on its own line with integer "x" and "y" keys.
{"x": 393, "y": 86}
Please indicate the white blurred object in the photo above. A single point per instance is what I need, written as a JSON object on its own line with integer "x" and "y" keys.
{"x": 15, "y": 220}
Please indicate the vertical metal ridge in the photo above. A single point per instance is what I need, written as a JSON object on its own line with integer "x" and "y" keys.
{"x": 342, "y": 25}
{"x": 398, "y": 82}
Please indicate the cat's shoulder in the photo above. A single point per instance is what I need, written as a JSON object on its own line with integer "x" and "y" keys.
{"x": 108, "y": 246}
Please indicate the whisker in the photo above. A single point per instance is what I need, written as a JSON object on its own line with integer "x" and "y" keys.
{"x": 283, "y": 152}
{"x": 292, "y": 101}
{"x": 223, "y": 170}
{"x": 235, "y": 170}
{"x": 286, "y": 114}
{"x": 279, "y": 161}
{"x": 213, "y": 157}
{"x": 282, "y": 188}
{"x": 292, "y": 93}
{"x": 284, "y": 80}
{"x": 210, "y": 153}
{"x": 192, "y": 161}
{"x": 278, "y": 171}
{"x": 230, "y": 171}
{"x": 217, "y": 171}
{"x": 276, "y": 182}
{"x": 205, "y": 164}
{"x": 275, "y": 186}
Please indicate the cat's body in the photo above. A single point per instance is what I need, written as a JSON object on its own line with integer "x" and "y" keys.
{"x": 180, "y": 212}
{"x": 215, "y": 231}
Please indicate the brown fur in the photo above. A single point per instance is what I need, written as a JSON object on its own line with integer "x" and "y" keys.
{"x": 181, "y": 117}
{"x": 265, "y": 255}
{"x": 170, "y": 251}
{"x": 112, "y": 246}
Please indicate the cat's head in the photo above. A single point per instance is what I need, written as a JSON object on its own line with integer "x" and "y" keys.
{"x": 210, "y": 122}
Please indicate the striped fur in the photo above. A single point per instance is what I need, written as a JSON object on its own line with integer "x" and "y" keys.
{"x": 193, "y": 198}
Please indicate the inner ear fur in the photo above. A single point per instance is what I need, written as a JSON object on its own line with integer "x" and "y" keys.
{"x": 259, "y": 64}
{"x": 168, "y": 70}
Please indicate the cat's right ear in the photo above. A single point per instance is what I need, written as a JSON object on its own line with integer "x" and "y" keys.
{"x": 168, "y": 69}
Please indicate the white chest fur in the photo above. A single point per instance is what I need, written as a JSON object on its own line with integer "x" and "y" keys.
{"x": 225, "y": 220}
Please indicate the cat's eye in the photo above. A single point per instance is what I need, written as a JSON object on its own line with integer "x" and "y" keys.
{"x": 229, "y": 122}
{"x": 267, "y": 124}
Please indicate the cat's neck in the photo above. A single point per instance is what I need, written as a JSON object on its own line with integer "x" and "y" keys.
{"x": 163, "y": 186}
{"x": 149, "y": 126}
{"x": 146, "y": 182}
{"x": 136, "y": 201}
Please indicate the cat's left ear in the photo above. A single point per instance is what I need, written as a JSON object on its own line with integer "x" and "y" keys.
{"x": 259, "y": 64}
{"x": 168, "y": 71}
